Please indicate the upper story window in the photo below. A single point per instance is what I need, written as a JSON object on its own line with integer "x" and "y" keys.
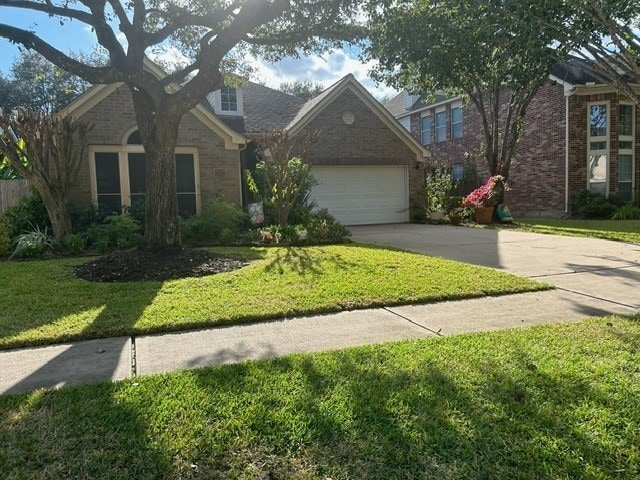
{"x": 425, "y": 129}
{"x": 457, "y": 172}
{"x": 456, "y": 121}
{"x": 229, "y": 99}
{"x": 441, "y": 126}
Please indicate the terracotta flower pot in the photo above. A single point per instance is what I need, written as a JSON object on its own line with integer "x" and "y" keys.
{"x": 484, "y": 215}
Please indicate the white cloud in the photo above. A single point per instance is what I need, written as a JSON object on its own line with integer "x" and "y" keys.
{"x": 326, "y": 69}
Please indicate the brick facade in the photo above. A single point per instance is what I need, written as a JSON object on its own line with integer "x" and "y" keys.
{"x": 537, "y": 173}
{"x": 367, "y": 141}
{"x": 113, "y": 117}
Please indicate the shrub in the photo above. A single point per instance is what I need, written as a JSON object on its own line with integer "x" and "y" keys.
{"x": 83, "y": 219}
{"x": 280, "y": 234}
{"x": 217, "y": 216}
{"x": 5, "y": 239}
{"x": 75, "y": 243}
{"x": 487, "y": 195}
{"x": 593, "y": 205}
{"x": 29, "y": 214}
{"x": 438, "y": 189}
{"x": 118, "y": 231}
{"x": 32, "y": 244}
{"x": 322, "y": 227}
{"x": 627, "y": 212}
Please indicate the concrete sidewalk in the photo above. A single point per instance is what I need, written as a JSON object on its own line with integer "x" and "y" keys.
{"x": 593, "y": 278}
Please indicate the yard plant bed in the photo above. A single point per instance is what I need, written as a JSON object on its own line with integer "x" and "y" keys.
{"x": 558, "y": 401}
{"x": 43, "y": 302}
{"x": 137, "y": 265}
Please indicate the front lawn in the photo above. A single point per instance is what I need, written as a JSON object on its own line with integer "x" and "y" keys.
{"x": 619, "y": 230}
{"x": 558, "y": 401}
{"x": 42, "y": 302}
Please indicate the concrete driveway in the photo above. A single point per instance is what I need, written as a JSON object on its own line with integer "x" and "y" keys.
{"x": 600, "y": 269}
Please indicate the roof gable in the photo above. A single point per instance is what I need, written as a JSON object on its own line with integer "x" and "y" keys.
{"x": 94, "y": 95}
{"x": 313, "y": 107}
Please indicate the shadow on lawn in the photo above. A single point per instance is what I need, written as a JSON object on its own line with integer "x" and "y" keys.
{"x": 368, "y": 413}
{"x": 85, "y": 361}
{"x": 305, "y": 260}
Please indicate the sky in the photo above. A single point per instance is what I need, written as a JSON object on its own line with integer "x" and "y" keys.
{"x": 74, "y": 36}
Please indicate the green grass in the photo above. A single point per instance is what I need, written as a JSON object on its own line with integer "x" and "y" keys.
{"x": 44, "y": 303}
{"x": 618, "y": 230}
{"x": 557, "y": 402}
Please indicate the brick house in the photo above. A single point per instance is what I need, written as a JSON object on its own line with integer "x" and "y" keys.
{"x": 578, "y": 134}
{"x": 367, "y": 166}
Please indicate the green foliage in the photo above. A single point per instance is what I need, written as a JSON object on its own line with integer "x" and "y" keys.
{"x": 491, "y": 52}
{"x": 280, "y": 235}
{"x": 304, "y": 89}
{"x": 118, "y": 231}
{"x": 83, "y": 219}
{"x": 627, "y": 212}
{"x": 616, "y": 230}
{"x": 33, "y": 244}
{"x": 438, "y": 189}
{"x": 75, "y": 243}
{"x": 5, "y": 239}
{"x": 322, "y": 227}
{"x": 30, "y": 213}
{"x": 594, "y": 205}
{"x": 219, "y": 221}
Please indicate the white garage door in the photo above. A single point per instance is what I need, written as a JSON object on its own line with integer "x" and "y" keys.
{"x": 363, "y": 195}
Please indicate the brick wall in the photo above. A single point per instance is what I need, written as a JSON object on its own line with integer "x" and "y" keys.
{"x": 114, "y": 116}
{"x": 537, "y": 174}
{"x": 367, "y": 141}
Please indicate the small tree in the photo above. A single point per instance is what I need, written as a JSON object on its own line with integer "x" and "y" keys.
{"x": 284, "y": 161}
{"x": 491, "y": 52}
{"x": 47, "y": 151}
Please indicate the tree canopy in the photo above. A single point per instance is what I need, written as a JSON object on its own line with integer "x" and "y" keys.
{"x": 305, "y": 89}
{"x": 213, "y": 35}
{"x": 492, "y": 52}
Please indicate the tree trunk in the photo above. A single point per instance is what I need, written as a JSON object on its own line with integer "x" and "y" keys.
{"x": 159, "y": 131}
{"x": 57, "y": 206}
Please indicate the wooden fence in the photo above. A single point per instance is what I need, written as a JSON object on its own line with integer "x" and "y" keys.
{"x": 11, "y": 191}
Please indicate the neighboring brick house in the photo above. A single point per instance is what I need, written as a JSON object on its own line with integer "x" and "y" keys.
{"x": 573, "y": 125}
{"x": 366, "y": 164}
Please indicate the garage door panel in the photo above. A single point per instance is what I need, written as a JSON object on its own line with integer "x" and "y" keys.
{"x": 361, "y": 195}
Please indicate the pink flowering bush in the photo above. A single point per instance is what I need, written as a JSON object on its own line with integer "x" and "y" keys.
{"x": 488, "y": 194}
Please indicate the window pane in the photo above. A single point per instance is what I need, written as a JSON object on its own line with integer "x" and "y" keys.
{"x": 229, "y": 100}
{"x": 625, "y": 145}
{"x": 624, "y": 191}
{"x": 456, "y": 115}
{"x": 426, "y": 130}
{"x": 186, "y": 204}
{"x": 135, "y": 138}
{"x": 625, "y": 170}
{"x": 456, "y": 130}
{"x": 598, "y": 168}
{"x": 137, "y": 173}
{"x": 185, "y": 173}
{"x": 597, "y": 145}
{"x": 457, "y": 172}
{"x": 625, "y": 125}
{"x": 598, "y": 120}
{"x": 107, "y": 173}
{"x": 441, "y": 126}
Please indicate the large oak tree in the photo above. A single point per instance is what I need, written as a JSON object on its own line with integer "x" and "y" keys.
{"x": 492, "y": 52}
{"x": 212, "y": 33}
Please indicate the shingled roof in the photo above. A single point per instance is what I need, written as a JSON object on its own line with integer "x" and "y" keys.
{"x": 574, "y": 71}
{"x": 397, "y": 108}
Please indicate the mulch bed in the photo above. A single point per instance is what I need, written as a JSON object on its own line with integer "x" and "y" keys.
{"x": 139, "y": 265}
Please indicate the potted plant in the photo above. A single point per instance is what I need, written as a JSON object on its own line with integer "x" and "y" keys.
{"x": 485, "y": 198}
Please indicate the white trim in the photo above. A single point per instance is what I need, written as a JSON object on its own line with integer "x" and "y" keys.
{"x": 217, "y": 103}
{"x": 566, "y": 153}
